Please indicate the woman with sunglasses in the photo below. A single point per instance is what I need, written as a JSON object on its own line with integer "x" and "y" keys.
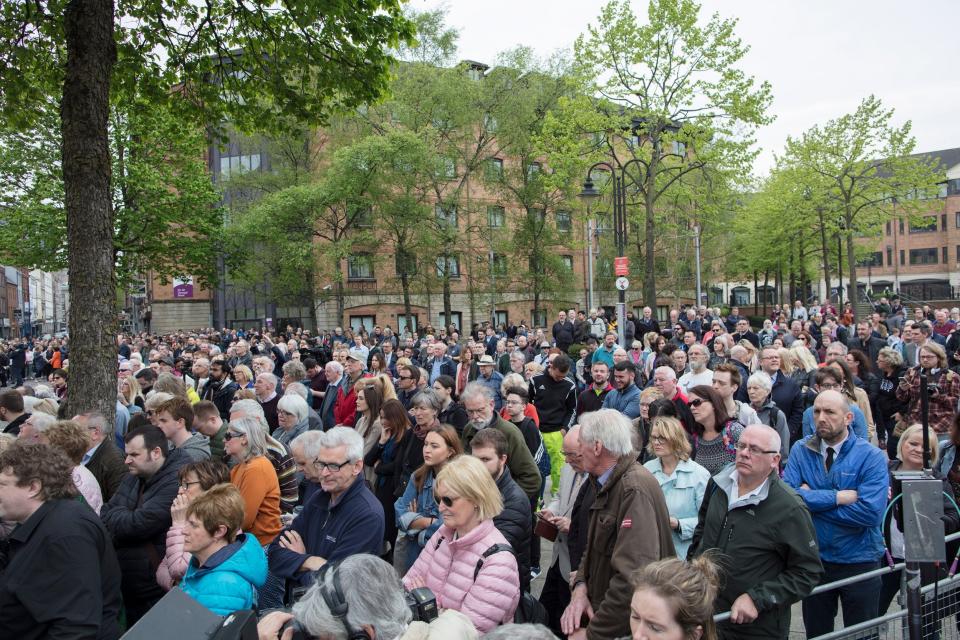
{"x": 416, "y": 511}
{"x": 485, "y": 589}
{"x": 195, "y": 478}
{"x": 255, "y": 477}
{"x": 682, "y": 480}
{"x": 715, "y": 434}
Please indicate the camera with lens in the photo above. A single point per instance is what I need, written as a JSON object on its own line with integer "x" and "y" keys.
{"x": 423, "y": 604}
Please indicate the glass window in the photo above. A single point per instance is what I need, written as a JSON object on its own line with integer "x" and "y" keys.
{"x": 533, "y": 169}
{"x": 448, "y": 265}
{"x": 235, "y": 165}
{"x": 455, "y": 319}
{"x": 446, "y": 216}
{"x": 402, "y": 322}
{"x": 499, "y": 264}
{"x": 365, "y": 322}
{"x": 489, "y": 123}
{"x": 924, "y": 224}
{"x": 360, "y": 267}
{"x": 362, "y": 215}
{"x": 957, "y": 219}
{"x": 902, "y": 253}
{"x": 890, "y": 256}
{"x": 923, "y": 256}
{"x": 567, "y": 262}
{"x": 494, "y": 169}
{"x": 945, "y": 259}
{"x": 538, "y": 317}
{"x": 495, "y": 217}
{"x": 448, "y": 168}
{"x": 564, "y": 221}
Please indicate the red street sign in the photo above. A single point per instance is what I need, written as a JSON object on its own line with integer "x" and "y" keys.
{"x": 621, "y": 266}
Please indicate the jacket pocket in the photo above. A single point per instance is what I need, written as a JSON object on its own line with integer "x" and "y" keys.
{"x": 605, "y": 534}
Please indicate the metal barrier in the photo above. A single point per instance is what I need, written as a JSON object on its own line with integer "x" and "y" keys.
{"x": 941, "y": 610}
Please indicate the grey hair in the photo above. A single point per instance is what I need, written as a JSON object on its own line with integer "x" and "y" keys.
{"x": 155, "y": 399}
{"x": 295, "y": 370}
{"x": 699, "y": 347}
{"x": 294, "y": 404}
{"x": 844, "y": 349}
{"x": 42, "y": 421}
{"x": 256, "y": 437}
{"x": 428, "y": 399}
{"x": 737, "y": 351}
{"x": 373, "y": 594}
{"x": 344, "y": 437}
{"x": 667, "y": 371}
{"x": 45, "y": 393}
{"x": 336, "y": 366}
{"x": 610, "y": 427}
{"x": 892, "y": 356}
{"x": 297, "y": 388}
{"x": 309, "y": 442}
{"x": 476, "y": 389}
{"x": 100, "y": 422}
{"x": 512, "y": 379}
{"x": 514, "y": 631}
{"x": 761, "y": 379}
{"x": 269, "y": 377}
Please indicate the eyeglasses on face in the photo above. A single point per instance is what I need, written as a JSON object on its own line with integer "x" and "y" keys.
{"x": 186, "y": 485}
{"x": 753, "y": 449}
{"x": 230, "y": 435}
{"x": 332, "y": 467}
{"x": 446, "y": 501}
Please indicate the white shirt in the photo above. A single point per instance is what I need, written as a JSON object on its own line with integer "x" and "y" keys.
{"x": 836, "y": 447}
{"x": 736, "y": 499}
{"x": 689, "y": 380}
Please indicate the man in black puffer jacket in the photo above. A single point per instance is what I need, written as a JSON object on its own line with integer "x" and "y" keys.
{"x": 515, "y": 522}
{"x": 138, "y": 516}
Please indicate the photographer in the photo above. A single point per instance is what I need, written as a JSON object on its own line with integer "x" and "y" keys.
{"x": 373, "y": 604}
{"x": 943, "y": 387}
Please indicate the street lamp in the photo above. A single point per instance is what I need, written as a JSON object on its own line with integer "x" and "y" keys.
{"x": 589, "y": 195}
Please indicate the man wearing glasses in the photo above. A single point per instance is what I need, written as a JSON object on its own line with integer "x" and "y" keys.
{"x": 786, "y": 392}
{"x": 342, "y": 519}
{"x": 752, "y": 517}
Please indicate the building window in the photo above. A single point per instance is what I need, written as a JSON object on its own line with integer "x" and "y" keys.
{"x": 360, "y": 267}
{"x": 448, "y": 168}
{"x": 678, "y": 148}
{"x": 924, "y": 224}
{"x": 958, "y": 253}
{"x": 449, "y": 265}
{"x": 873, "y": 259}
{"x": 901, "y": 226}
{"x": 567, "y": 262}
{"x": 538, "y": 317}
{"x": 500, "y": 317}
{"x": 235, "y": 165}
{"x": 943, "y": 252}
{"x": 901, "y": 257}
{"x": 363, "y": 322}
{"x": 494, "y": 169}
{"x": 890, "y": 257}
{"x": 402, "y": 323}
{"x": 533, "y": 170}
{"x": 495, "y": 217}
{"x": 890, "y": 227}
{"x": 943, "y": 222}
{"x": 362, "y": 216}
{"x": 957, "y": 219}
{"x": 455, "y": 319}
{"x": 489, "y": 123}
{"x": 923, "y": 256}
{"x": 446, "y": 216}
{"x": 564, "y": 222}
{"x": 499, "y": 264}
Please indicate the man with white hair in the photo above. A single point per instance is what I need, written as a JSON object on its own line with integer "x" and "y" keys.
{"x": 629, "y": 528}
{"x": 333, "y": 371}
{"x": 265, "y": 388}
{"x": 34, "y": 427}
{"x": 304, "y": 450}
{"x": 342, "y": 519}
{"x": 665, "y": 379}
{"x": 698, "y": 374}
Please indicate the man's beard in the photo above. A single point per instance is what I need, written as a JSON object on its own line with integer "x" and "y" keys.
{"x": 697, "y": 366}
{"x": 480, "y": 423}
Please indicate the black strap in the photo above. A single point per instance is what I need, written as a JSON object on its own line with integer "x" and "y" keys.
{"x": 497, "y": 548}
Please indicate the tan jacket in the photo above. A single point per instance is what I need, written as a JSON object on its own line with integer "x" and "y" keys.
{"x": 629, "y": 528}
{"x": 449, "y": 625}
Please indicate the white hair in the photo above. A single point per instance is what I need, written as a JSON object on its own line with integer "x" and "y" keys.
{"x": 666, "y": 371}
{"x": 297, "y": 388}
{"x": 269, "y": 377}
{"x": 256, "y": 436}
{"x": 514, "y": 631}
{"x": 42, "y": 421}
{"x": 372, "y": 591}
{"x": 761, "y": 379}
{"x": 294, "y": 404}
{"x": 344, "y": 437}
{"x": 609, "y": 427}
{"x": 309, "y": 442}
{"x": 155, "y": 398}
{"x": 335, "y": 366}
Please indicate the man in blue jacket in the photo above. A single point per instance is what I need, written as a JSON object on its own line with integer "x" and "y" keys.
{"x": 625, "y": 396}
{"x": 343, "y": 519}
{"x": 844, "y": 482}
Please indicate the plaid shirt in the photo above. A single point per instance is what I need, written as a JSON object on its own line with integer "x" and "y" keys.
{"x": 943, "y": 399}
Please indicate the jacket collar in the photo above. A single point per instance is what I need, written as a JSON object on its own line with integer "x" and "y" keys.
{"x": 624, "y": 463}
{"x": 683, "y": 474}
{"x": 221, "y": 555}
{"x": 724, "y": 480}
{"x": 813, "y": 442}
{"x": 23, "y": 532}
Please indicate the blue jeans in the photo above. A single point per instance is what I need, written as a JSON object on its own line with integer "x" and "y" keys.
{"x": 859, "y": 600}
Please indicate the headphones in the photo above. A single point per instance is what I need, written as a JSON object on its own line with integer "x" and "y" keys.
{"x": 332, "y": 594}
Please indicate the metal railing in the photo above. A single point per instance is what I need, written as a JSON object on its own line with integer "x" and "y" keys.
{"x": 941, "y": 605}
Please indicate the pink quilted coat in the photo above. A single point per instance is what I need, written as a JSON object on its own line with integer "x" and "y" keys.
{"x": 175, "y": 560}
{"x": 447, "y": 567}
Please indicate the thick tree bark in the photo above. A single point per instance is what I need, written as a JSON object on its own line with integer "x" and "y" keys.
{"x": 91, "y": 54}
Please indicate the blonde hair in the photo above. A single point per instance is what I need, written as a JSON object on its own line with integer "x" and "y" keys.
{"x": 673, "y": 435}
{"x": 803, "y": 356}
{"x": 690, "y": 587}
{"x": 512, "y": 379}
{"x": 468, "y": 478}
{"x": 46, "y": 406}
{"x": 914, "y": 429}
{"x": 787, "y": 360}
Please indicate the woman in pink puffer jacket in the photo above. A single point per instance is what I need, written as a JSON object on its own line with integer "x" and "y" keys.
{"x": 469, "y": 500}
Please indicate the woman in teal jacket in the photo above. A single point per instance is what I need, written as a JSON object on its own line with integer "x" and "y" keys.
{"x": 227, "y": 565}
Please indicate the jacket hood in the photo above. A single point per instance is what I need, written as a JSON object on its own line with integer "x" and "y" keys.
{"x": 175, "y": 459}
{"x": 244, "y": 556}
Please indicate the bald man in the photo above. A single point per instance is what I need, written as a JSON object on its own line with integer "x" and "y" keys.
{"x": 843, "y": 480}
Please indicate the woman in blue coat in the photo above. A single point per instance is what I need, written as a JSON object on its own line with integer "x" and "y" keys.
{"x": 227, "y": 565}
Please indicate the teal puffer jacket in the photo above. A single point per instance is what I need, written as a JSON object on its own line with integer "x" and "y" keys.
{"x": 228, "y": 580}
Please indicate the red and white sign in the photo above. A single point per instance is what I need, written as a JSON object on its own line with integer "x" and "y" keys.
{"x": 621, "y": 266}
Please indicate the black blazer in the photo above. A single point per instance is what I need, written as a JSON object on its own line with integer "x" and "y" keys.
{"x": 107, "y": 466}
{"x": 787, "y": 396}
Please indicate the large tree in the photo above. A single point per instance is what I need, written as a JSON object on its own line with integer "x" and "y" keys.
{"x": 664, "y": 99}
{"x": 252, "y": 63}
{"x": 864, "y": 171}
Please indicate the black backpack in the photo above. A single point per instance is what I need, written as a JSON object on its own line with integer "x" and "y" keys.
{"x": 529, "y": 609}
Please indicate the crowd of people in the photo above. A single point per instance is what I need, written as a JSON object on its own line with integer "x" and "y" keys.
{"x": 713, "y": 463}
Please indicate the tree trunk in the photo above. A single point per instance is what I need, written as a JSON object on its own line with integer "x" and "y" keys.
{"x": 341, "y": 295}
{"x": 447, "y": 313}
{"x": 755, "y": 291}
{"x": 84, "y": 110}
{"x": 852, "y": 268}
{"x": 766, "y": 284}
{"x": 826, "y": 252}
{"x": 792, "y": 287}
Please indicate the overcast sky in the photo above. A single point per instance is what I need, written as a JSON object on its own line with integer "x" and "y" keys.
{"x": 821, "y": 56}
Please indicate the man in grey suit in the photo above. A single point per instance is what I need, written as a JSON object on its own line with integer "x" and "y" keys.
{"x": 334, "y": 372}
{"x": 556, "y": 588}
{"x": 911, "y": 343}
